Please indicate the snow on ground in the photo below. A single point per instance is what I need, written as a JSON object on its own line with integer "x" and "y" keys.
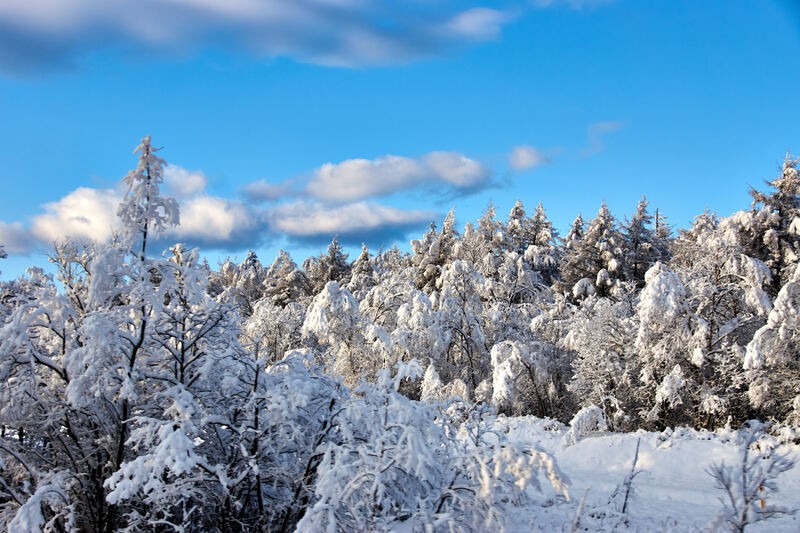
{"x": 673, "y": 491}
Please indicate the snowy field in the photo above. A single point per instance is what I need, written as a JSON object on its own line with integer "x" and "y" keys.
{"x": 672, "y": 492}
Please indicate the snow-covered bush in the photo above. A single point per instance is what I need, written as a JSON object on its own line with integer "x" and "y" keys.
{"x": 399, "y": 460}
{"x": 589, "y": 420}
{"x": 749, "y": 485}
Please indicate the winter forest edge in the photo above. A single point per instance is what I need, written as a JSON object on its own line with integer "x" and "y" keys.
{"x": 141, "y": 392}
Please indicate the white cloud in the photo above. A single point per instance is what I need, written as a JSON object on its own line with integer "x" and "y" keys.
{"x": 457, "y": 169}
{"x": 87, "y": 213}
{"x": 356, "y": 179}
{"x": 309, "y": 220}
{"x": 15, "y": 238}
{"x": 42, "y": 33}
{"x": 479, "y": 23}
{"x": 217, "y": 222}
{"x": 526, "y": 157}
{"x": 182, "y": 183}
{"x": 84, "y": 213}
{"x": 360, "y": 178}
{"x": 572, "y": 4}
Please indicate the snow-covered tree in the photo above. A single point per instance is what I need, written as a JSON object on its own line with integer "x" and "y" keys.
{"x": 597, "y": 256}
{"x": 240, "y": 284}
{"x": 273, "y": 330}
{"x": 352, "y": 347}
{"x": 280, "y": 426}
{"x": 36, "y": 481}
{"x": 362, "y": 276}
{"x": 330, "y": 266}
{"x": 661, "y": 341}
{"x": 419, "y": 331}
{"x": 727, "y": 302}
{"x": 284, "y": 282}
{"x": 542, "y": 253}
{"x": 519, "y": 231}
{"x": 773, "y": 234}
{"x": 524, "y": 378}
{"x": 642, "y": 249}
{"x": 772, "y": 360}
{"x": 398, "y": 460}
{"x": 688, "y": 247}
{"x": 144, "y": 213}
{"x": 482, "y": 245}
{"x": 461, "y": 308}
{"x": 601, "y": 335}
{"x": 433, "y": 252}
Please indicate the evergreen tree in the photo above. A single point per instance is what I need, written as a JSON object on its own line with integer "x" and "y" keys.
{"x": 362, "y": 277}
{"x": 598, "y": 256}
{"x": 570, "y": 245}
{"x": 519, "y": 231}
{"x": 542, "y": 253}
{"x": 772, "y": 359}
{"x": 641, "y": 248}
{"x": 330, "y": 266}
{"x": 601, "y": 334}
{"x": 487, "y": 243}
{"x": 774, "y": 235}
{"x": 284, "y": 282}
{"x": 662, "y": 232}
{"x": 433, "y": 252}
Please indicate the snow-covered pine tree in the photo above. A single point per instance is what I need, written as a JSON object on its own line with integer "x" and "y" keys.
{"x": 542, "y": 254}
{"x": 773, "y": 236}
{"x": 641, "y": 246}
{"x": 241, "y": 285}
{"x": 284, "y": 282}
{"x": 663, "y": 334}
{"x": 330, "y": 266}
{"x": 334, "y": 325}
{"x": 597, "y": 256}
{"x": 483, "y": 245}
{"x": 519, "y": 231}
{"x": 433, "y": 252}
{"x": 601, "y": 335}
{"x": 772, "y": 360}
{"x": 728, "y": 302}
{"x": 362, "y": 276}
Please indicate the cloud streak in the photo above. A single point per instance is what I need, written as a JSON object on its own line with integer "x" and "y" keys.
{"x": 596, "y": 134}
{"x": 264, "y": 191}
{"x": 353, "y": 223}
{"x": 41, "y": 34}
{"x": 526, "y": 157}
{"x": 357, "y": 179}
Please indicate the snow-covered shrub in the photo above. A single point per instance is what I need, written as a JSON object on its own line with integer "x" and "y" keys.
{"x": 748, "y": 486}
{"x": 400, "y": 460}
{"x": 523, "y": 377}
{"x": 587, "y": 421}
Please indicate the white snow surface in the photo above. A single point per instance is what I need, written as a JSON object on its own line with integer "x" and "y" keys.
{"x": 672, "y": 492}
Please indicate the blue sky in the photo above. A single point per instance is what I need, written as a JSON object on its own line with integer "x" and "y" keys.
{"x": 286, "y": 122}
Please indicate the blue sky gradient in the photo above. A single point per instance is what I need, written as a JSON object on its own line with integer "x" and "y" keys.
{"x": 687, "y": 102}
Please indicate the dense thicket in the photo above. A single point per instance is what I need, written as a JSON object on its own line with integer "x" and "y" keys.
{"x": 143, "y": 393}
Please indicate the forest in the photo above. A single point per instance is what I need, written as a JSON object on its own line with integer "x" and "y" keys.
{"x": 142, "y": 391}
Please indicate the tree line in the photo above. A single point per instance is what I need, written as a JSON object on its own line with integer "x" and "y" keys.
{"x": 141, "y": 392}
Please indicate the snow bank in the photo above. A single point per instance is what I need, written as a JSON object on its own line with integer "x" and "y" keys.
{"x": 672, "y": 492}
